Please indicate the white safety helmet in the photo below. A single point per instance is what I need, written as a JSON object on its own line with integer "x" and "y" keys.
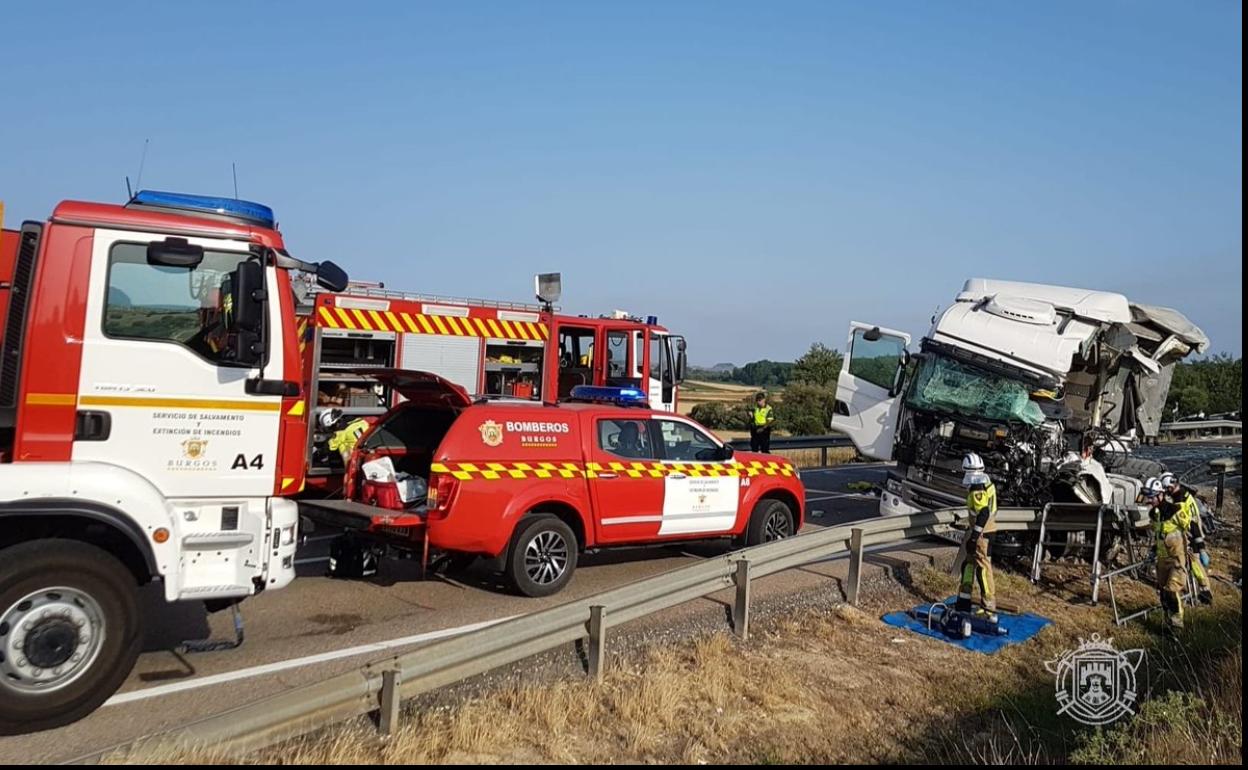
{"x": 1152, "y": 487}
{"x": 973, "y": 470}
{"x": 1168, "y": 479}
{"x": 327, "y": 418}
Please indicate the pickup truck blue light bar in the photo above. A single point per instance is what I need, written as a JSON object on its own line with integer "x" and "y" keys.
{"x": 247, "y": 212}
{"x": 607, "y": 395}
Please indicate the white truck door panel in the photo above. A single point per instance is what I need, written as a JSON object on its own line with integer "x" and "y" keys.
{"x": 868, "y": 389}
{"x": 177, "y": 417}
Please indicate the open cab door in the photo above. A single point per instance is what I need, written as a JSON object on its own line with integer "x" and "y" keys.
{"x": 868, "y": 390}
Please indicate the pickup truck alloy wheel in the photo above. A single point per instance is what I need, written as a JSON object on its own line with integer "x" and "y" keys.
{"x": 543, "y": 555}
{"x": 546, "y": 558}
{"x": 770, "y": 520}
{"x": 50, "y": 637}
{"x": 779, "y": 525}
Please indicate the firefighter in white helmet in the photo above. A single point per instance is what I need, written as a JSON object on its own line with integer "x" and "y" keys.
{"x": 1199, "y": 562}
{"x": 981, "y": 501}
{"x": 1170, "y": 522}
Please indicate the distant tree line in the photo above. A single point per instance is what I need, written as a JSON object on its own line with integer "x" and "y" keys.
{"x": 804, "y": 408}
{"x": 1213, "y": 385}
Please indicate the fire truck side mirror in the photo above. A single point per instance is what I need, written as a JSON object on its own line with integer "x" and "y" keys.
{"x": 681, "y": 359}
{"x": 174, "y": 252}
{"x": 331, "y": 277}
{"x": 248, "y": 296}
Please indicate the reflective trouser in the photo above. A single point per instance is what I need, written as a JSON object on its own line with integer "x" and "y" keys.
{"x": 1172, "y": 575}
{"x": 977, "y": 569}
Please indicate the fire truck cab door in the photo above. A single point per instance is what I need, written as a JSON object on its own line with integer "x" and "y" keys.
{"x": 154, "y": 370}
{"x": 661, "y": 378}
{"x": 869, "y": 387}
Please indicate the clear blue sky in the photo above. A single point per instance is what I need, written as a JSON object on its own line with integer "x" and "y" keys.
{"x": 755, "y": 174}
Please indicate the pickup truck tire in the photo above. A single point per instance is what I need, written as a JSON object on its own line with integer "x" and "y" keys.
{"x": 543, "y": 555}
{"x": 770, "y": 520}
{"x": 70, "y": 632}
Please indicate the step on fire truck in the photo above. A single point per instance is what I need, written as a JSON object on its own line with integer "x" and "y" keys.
{"x": 495, "y": 350}
{"x": 152, "y": 425}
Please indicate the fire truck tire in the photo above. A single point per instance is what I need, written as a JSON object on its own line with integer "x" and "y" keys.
{"x": 770, "y": 520}
{"x": 70, "y": 632}
{"x": 542, "y": 557}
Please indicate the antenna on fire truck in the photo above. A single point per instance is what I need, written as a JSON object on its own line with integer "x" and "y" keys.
{"x": 138, "y": 182}
{"x": 234, "y": 171}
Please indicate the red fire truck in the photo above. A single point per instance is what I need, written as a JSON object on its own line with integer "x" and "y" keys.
{"x": 152, "y": 428}
{"x": 492, "y": 349}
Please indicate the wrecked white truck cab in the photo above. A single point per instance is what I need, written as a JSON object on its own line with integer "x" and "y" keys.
{"x": 1052, "y": 386}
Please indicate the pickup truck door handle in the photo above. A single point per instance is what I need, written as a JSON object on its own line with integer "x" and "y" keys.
{"x": 677, "y": 476}
{"x": 608, "y": 476}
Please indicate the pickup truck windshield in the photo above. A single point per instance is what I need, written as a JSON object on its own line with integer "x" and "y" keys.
{"x": 946, "y": 385}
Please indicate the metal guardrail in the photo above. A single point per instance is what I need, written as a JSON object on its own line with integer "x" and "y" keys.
{"x": 822, "y": 443}
{"x": 383, "y": 684}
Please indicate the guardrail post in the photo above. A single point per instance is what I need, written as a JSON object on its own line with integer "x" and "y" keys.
{"x": 390, "y": 701}
{"x": 597, "y": 641}
{"x": 855, "y": 565}
{"x": 741, "y": 609}
{"x": 823, "y": 457}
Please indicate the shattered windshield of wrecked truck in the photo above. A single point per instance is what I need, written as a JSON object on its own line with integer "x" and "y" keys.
{"x": 945, "y": 385}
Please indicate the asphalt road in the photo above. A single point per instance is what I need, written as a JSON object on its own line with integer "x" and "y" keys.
{"x": 318, "y": 627}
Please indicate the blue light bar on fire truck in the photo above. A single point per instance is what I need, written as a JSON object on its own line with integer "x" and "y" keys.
{"x": 232, "y": 209}
{"x": 607, "y": 395}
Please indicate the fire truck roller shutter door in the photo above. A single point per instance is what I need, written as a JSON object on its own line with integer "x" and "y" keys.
{"x": 458, "y": 359}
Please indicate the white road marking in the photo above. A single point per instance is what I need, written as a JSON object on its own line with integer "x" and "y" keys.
{"x": 821, "y": 495}
{"x": 308, "y": 660}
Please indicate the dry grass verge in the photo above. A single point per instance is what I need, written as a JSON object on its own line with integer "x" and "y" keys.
{"x": 837, "y": 686}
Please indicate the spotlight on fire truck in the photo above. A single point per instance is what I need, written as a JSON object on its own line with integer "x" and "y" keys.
{"x": 549, "y": 287}
{"x": 607, "y": 395}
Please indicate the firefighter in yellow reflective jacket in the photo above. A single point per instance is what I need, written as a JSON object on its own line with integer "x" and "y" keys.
{"x": 981, "y": 501}
{"x": 343, "y": 441}
{"x": 1199, "y": 562}
{"x": 1169, "y": 525}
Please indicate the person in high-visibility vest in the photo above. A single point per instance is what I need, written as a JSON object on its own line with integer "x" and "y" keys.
{"x": 762, "y": 418}
{"x": 981, "y": 502}
{"x": 1170, "y": 523}
{"x": 344, "y": 441}
{"x": 1199, "y": 563}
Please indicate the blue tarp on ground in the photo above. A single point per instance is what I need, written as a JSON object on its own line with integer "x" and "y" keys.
{"x": 1020, "y": 628}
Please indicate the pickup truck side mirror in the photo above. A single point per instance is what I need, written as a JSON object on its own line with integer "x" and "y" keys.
{"x": 726, "y": 452}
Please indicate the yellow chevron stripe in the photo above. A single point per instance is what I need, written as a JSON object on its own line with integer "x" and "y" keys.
{"x": 424, "y": 323}
{"x": 437, "y": 321}
{"x": 497, "y": 332}
{"x": 344, "y": 319}
{"x": 361, "y": 319}
{"x": 482, "y": 329}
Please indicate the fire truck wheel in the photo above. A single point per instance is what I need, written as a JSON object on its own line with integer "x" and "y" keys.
{"x": 770, "y": 520}
{"x": 543, "y": 555}
{"x": 69, "y": 633}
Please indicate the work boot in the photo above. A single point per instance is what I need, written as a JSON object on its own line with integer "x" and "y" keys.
{"x": 1175, "y": 622}
{"x": 1205, "y": 596}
